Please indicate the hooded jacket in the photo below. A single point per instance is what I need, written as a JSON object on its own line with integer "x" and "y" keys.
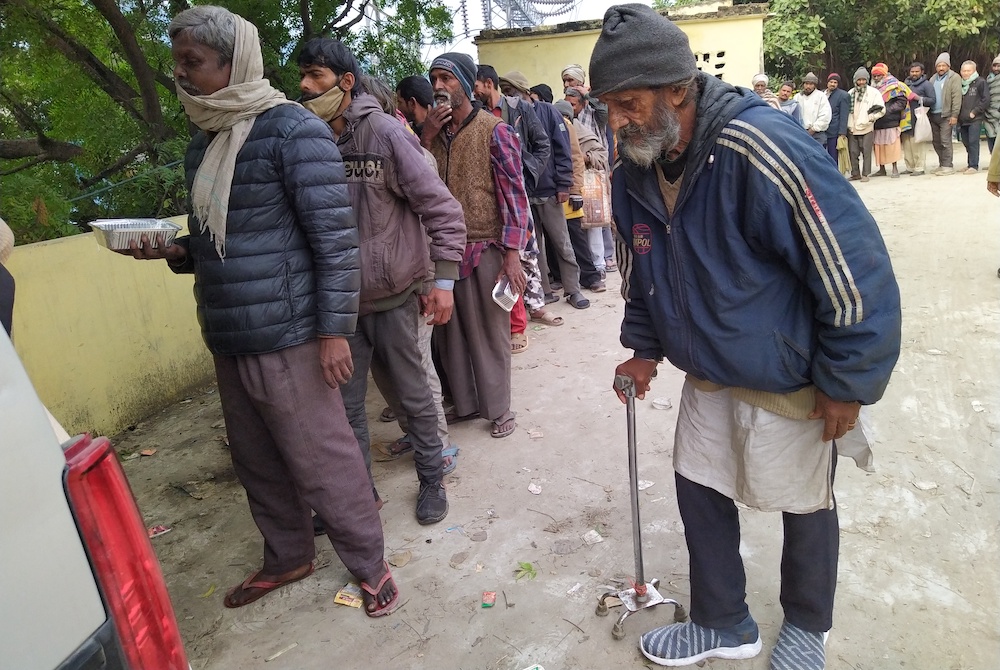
{"x": 291, "y": 270}
{"x": 557, "y": 176}
{"x": 770, "y": 274}
{"x": 399, "y": 200}
{"x": 536, "y": 148}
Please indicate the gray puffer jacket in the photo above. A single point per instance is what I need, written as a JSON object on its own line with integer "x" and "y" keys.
{"x": 292, "y": 269}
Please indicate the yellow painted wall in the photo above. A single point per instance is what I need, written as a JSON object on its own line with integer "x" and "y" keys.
{"x": 106, "y": 339}
{"x": 542, "y": 55}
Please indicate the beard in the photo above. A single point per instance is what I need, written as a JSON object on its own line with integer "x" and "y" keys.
{"x": 188, "y": 87}
{"x": 453, "y": 100}
{"x": 306, "y": 97}
{"x": 643, "y": 144}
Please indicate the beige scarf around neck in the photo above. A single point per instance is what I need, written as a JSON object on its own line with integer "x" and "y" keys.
{"x": 230, "y": 113}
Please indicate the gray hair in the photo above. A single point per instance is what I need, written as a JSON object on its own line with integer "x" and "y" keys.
{"x": 572, "y": 92}
{"x": 975, "y": 68}
{"x": 383, "y": 92}
{"x": 211, "y": 26}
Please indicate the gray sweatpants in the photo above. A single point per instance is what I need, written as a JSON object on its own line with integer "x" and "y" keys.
{"x": 550, "y": 221}
{"x": 393, "y": 335}
{"x": 293, "y": 451}
{"x": 383, "y": 379}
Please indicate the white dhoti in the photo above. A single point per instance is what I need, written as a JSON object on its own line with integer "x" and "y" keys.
{"x": 759, "y": 458}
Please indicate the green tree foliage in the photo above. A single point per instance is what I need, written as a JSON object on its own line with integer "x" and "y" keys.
{"x": 840, "y": 35}
{"x": 90, "y": 125}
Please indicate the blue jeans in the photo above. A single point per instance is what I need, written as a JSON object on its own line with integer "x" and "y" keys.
{"x": 970, "y": 138}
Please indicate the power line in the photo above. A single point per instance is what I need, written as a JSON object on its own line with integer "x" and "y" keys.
{"x": 110, "y": 187}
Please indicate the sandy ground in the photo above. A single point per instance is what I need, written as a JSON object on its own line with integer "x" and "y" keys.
{"x": 918, "y": 572}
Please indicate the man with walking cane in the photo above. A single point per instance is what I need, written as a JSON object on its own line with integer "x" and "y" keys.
{"x": 750, "y": 264}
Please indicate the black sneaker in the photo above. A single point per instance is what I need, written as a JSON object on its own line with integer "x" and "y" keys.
{"x": 432, "y": 504}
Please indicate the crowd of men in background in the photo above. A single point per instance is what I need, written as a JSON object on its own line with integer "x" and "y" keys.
{"x": 895, "y": 120}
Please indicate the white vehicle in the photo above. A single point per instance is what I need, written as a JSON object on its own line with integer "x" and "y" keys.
{"x": 80, "y": 585}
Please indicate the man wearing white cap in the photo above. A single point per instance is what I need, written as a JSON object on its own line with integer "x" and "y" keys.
{"x": 760, "y": 82}
{"x": 944, "y": 114}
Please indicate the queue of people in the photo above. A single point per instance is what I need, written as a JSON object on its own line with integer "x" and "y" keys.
{"x": 368, "y": 228}
{"x": 894, "y": 121}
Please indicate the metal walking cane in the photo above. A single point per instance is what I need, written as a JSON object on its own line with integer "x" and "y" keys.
{"x": 643, "y": 594}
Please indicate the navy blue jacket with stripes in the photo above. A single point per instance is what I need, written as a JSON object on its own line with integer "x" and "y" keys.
{"x": 771, "y": 274}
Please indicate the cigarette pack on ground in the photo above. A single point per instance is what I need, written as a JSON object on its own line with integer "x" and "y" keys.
{"x": 489, "y": 598}
{"x": 156, "y": 531}
{"x": 350, "y": 595}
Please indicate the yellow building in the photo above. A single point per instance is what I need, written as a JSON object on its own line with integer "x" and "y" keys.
{"x": 106, "y": 339}
{"x": 727, "y": 40}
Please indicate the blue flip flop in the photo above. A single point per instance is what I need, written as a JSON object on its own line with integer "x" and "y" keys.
{"x": 453, "y": 452}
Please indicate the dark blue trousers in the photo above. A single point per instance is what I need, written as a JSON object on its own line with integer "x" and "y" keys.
{"x": 718, "y": 581}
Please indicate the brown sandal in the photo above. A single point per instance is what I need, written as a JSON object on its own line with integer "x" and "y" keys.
{"x": 251, "y": 582}
{"x": 546, "y": 318}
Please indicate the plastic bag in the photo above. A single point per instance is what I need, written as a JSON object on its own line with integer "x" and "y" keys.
{"x": 921, "y": 125}
{"x": 596, "y": 199}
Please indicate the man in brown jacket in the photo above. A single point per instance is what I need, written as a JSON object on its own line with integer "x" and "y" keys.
{"x": 399, "y": 201}
{"x": 479, "y": 158}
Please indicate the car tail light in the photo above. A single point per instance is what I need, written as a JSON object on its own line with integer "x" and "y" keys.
{"x": 124, "y": 562}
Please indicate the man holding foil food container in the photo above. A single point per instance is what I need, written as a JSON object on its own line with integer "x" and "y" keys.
{"x": 274, "y": 252}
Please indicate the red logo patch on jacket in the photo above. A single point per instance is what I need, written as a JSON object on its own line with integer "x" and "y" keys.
{"x": 642, "y": 238}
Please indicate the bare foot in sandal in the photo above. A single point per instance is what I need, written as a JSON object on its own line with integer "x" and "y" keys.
{"x": 503, "y": 426}
{"x": 383, "y": 598}
{"x": 545, "y": 317}
{"x": 259, "y": 584}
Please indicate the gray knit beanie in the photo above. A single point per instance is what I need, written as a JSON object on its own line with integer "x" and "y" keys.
{"x": 564, "y": 108}
{"x": 639, "y": 48}
{"x": 811, "y": 77}
{"x": 461, "y": 65}
{"x": 861, "y": 73}
{"x": 943, "y": 57}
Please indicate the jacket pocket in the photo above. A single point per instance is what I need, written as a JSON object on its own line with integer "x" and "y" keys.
{"x": 286, "y": 289}
{"x": 795, "y": 360}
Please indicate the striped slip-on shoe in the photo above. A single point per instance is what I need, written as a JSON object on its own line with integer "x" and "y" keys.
{"x": 687, "y": 643}
{"x": 798, "y": 649}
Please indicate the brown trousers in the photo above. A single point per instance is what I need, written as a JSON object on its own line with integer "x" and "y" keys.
{"x": 474, "y": 347}
{"x": 293, "y": 449}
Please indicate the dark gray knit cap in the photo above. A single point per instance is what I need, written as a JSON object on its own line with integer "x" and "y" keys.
{"x": 639, "y": 48}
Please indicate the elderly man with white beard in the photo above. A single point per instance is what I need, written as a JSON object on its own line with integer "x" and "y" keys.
{"x": 750, "y": 264}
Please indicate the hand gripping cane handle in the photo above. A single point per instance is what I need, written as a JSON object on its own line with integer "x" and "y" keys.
{"x": 626, "y": 385}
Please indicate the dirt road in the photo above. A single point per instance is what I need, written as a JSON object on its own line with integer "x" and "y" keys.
{"x": 918, "y": 583}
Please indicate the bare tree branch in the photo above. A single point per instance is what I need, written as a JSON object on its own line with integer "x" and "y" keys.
{"x": 306, "y": 17}
{"x": 115, "y": 167}
{"x": 22, "y": 115}
{"x": 348, "y": 6}
{"x": 108, "y": 81}
{"x": 23, "y": 166}
{"x": 53, "y": 150}
{"x": 144, "y": 74}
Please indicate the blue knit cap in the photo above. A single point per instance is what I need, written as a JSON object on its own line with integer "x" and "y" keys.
{"x": 460, "y": 65}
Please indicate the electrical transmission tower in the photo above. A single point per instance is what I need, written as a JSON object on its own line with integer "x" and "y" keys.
{"x": 523, "y": 13}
